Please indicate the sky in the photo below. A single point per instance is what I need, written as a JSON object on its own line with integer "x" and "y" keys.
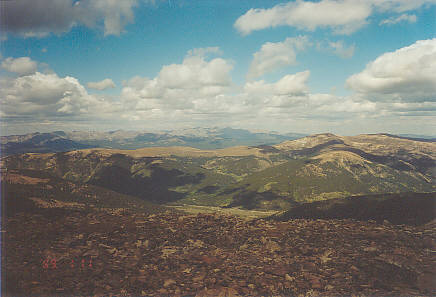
{"x": 340, "y": 66}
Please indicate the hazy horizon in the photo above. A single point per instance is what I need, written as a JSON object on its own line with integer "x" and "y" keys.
{"x": 180, "y": 130}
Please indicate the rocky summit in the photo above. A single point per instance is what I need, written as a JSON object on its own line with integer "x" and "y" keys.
{"x": 76, "y": 252}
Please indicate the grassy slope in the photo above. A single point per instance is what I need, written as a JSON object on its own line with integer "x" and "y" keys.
{"x": 311, "y": 180}
{"x": 404, "y": 208}
{"x": 16, "y": 194}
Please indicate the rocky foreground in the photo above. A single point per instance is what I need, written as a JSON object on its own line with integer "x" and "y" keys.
{"x": 66, "y": 253}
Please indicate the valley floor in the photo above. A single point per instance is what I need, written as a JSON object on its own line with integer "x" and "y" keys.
{"x": 242, "y": 213}
{"x": 73, "y": 252}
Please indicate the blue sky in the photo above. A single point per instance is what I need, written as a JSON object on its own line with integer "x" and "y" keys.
{"x": 341, "y": 66}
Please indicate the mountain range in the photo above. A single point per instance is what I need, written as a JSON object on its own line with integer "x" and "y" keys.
{"x": 202, "y": 138}
{"x": 268, "y": 177}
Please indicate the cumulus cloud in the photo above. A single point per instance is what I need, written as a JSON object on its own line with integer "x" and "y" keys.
{"x": 39, "y": 91}
{"x": 20, "y": 66}
{"x": 402, "y": 18}
{"x": 405, "y": 108}
{"x": 179, "y": 85}
{"x": 195, "y": 72}
{"x": 197, "y": 91}
{"x": 291, "y": 84}
{"x": 102, "y": 85}
{"x": 407, "y": 75}
{"x": 272, "y": 56}
{"x": 200, "y": 89}
{"x": 291, "y": 96}
{"x": 342, "y": 16}
{"x": 270, "y": 103}
{"x": 31, "y": 18}
{"x": 335, "y": 105}
{"x": 40, "y": 96}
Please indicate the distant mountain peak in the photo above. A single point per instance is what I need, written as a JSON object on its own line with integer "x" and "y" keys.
{"x": 326, "y": 134}
{"x": 201, "y": 138}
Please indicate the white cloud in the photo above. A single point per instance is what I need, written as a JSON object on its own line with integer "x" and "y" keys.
{"x": 195, "y": 72}
{"x": 410, "y": 107}
{"x": 31, "y": 18}
{"x": 44, "y": 96}
{"x": 255, "y": 103}
{"x": 407, "y": 74}
{"x": 400, "y": 5}
{"x": 102, "y": 85}
{"x": 340, "y": 49}
{"x": 342, "y": 16}
{"x": 291, "y": 84}
{"x": 402, "y": 18}
{"x": 179, "y": 85}
{"x": 196, "y": 92}
{"x": 272, "y": 56}
{"x": 345, "y": 105}
{"x": 21, "y": 66}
